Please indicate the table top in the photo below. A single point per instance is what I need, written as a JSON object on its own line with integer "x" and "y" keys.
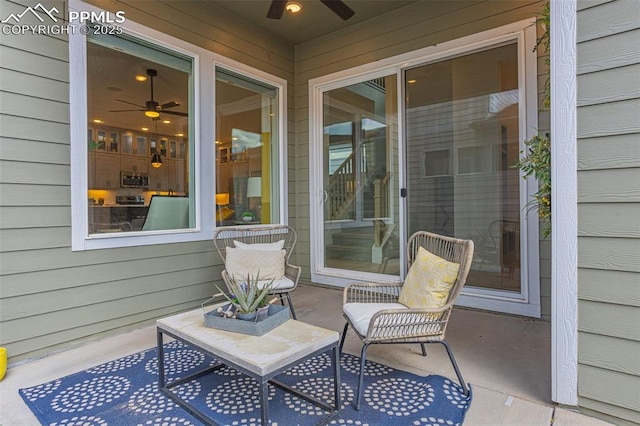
{"x": 262, "y": 355}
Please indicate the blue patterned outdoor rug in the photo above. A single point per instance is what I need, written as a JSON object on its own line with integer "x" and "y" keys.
{"x": 125, "y": 392}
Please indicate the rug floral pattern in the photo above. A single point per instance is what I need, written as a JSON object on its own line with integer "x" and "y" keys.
{"x": 125, "y": 392}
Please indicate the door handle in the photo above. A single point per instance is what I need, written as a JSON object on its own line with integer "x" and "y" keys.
{"x": 325, "y": 196}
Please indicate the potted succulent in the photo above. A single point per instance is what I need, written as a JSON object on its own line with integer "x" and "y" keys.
{"x": 248, "y": 298}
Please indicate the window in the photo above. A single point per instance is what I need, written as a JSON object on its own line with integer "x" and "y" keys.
{"x": 247, "y": 183}
{"x": 137, "y": 91}
{"x": 145, "y": 169}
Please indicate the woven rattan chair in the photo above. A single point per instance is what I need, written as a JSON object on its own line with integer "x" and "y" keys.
{"x": 224, "y": 238}
{"x": 373, "y": 312}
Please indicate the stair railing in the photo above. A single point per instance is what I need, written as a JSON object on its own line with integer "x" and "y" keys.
{"x": 341, "y": 189}
{"x": 380, "y": 207}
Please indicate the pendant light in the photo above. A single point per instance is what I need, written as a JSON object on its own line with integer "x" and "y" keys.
{"x": 156, "y": 158}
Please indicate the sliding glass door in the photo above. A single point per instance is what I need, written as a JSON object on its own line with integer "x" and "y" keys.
{"x": 437, "y": 155}
{"x": 464, "y": 119}
{"x": 462, "y": 123}
{"x": 359, "y": 181}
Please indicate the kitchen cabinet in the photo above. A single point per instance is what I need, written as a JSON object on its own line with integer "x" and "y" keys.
{"x": 99, "y": 218}
{"x": 177, "y": 175}
{"x": 107, "y": 171}
{"x": 159, "y": 178}
{"x": 113, "y": 151}
{"x": 115, "y": 218}
{"x": 135, "y": 145}
{"x": 107, "y": 140}
{"x": 170, "y": 176}
{"x": 134, "y": 164}
{"x": 227, "y": 172}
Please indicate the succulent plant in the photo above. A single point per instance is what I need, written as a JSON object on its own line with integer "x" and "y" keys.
{"x": 247, "y": 295}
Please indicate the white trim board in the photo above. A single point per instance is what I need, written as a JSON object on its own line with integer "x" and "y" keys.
{"x": 564, "y": 210}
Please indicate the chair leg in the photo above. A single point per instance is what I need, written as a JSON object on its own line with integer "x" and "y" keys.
{"x": 293, "y": 312}
{"x": 363, "y": 360}
{"x": 465, "y": 389}
{"x": 344, "y": 335}
{"x": 424, "y": 349}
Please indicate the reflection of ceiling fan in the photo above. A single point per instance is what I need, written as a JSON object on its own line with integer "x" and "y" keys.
{"x": 152, "y": 108}
{"x": 337, "y": 6}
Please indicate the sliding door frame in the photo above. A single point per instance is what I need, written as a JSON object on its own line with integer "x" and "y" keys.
{"x": 524, "y": 32}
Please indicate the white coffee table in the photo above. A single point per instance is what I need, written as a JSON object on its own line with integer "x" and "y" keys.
{"x": 261, "y": 357}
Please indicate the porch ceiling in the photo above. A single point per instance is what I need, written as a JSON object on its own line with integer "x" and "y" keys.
{"x": 315, "y": 19}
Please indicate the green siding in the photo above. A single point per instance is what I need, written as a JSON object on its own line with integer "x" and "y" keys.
{"x": 608, "y": 205}
{"x": 50, "y": 296}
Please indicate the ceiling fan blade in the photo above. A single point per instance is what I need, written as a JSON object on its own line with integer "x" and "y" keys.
{"x": 339, "y": 8}
{"x": 127, "y": 102}
{"x": 171, "y": 104}
{"x": 125, "y": 110}
{"x": 181, "y": 114}
{"x": 276, "y": 9}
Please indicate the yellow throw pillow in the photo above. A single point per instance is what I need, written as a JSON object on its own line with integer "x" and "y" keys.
{"x": 428, "y": 281}
{"x": 269, "y": 264}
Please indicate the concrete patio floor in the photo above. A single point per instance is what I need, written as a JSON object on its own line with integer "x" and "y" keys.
{"x": 506, "y": 360}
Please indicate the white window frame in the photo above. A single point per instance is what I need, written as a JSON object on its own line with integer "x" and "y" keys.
{"x": 281, "y": 86}
{"x": 524, "y": 32}
{"x": 204, "y": 63}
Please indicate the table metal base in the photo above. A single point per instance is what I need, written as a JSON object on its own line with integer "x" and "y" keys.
{"x": 165, "y": 387}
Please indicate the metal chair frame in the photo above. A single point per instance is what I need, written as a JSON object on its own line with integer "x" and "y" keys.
{"x": 223, "y": 238}
{"x": 421, "y": 326}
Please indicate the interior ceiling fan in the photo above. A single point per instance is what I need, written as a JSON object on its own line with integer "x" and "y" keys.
{"x": 152, "y": 108}
{"x": 337, "y": 6}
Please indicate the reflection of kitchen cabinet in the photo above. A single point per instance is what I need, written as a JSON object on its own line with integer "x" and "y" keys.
{"x": 176, "y": 175}
{"x": 170, "y": 176}
{"x": 159, "y": 178}
{"x": 163, "y": 147}
{"x": 99, "y": 218}
{"x": 107, "y": 140}
{"x": 91, "y": 170}
{"x": 141, "y": 147}
{"x": 107, "y": 171}
{"x": 127, "y": 143}
{"x": 228, "y": 172}
{"x": 133, "y": 144}
{"x": 134, "y": 164}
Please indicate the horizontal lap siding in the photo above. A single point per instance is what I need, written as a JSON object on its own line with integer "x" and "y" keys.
{"x": 406, "y": 29}
{"x": 51, "y": 296}
{"x": 608, "y": 208}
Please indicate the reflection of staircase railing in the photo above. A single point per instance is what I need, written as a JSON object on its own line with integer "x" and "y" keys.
{"x": 341, "y": 191}
{"x": 380, "y": 206}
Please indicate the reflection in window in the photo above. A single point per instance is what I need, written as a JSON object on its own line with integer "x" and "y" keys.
{"x": 138, "y": 98}
{"x": 361, "y": 213}
{"x": 247, "y": 169}
{"x": 463, "y": 114}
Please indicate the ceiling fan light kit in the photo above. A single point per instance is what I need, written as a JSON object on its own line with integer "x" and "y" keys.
{"x": 338, "y": 7}
{"x": 294, "y": 7}
{"x": 151, "y": 107}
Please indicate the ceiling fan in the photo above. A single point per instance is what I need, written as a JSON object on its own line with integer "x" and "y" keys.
{"x": 152, "y": 108}
{"x": 337, "y": 6}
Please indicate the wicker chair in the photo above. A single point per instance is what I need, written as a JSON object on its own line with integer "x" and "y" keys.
{"x": 373, "y": 312}
{"x": 224, "y": 238}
